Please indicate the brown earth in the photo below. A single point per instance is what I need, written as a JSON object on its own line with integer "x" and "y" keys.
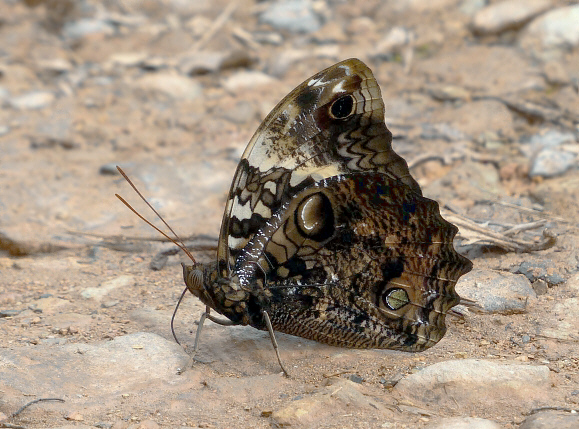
{"x": 63, "y": 230}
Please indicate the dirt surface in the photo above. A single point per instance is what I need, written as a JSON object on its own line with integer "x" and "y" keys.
{"x": 143, "y": 91}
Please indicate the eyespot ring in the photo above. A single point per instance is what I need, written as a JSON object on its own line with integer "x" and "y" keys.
{"x": 395, "y": 298}
{"x": 343, "y": 107}
{"x": 314, "y": 217}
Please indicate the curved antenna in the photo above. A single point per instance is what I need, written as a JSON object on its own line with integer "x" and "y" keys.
{"x": 177, "y": 241}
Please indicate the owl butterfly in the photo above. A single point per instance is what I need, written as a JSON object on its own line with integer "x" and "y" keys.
{"x": 326, "y": 235}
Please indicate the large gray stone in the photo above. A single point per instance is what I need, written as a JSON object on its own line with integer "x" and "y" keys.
{"x": 103, "y": 369}
{"x": 552, "y": 162}
{"x": 564, "y": 323}
{"x": 551, "y": 420}
{"x": 552, "y": 33}
{"x": 497, "y": 292}
{"x": 474, "y": 382}
{"x": 463, "y": 423}
{"x": 506, "y": 15}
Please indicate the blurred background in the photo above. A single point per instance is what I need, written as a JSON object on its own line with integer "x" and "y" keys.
{"x": 482, "y": 99}
{"x": 175, "y": 89}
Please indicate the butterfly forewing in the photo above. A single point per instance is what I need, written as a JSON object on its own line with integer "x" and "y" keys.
{"x": 331, "y": 124}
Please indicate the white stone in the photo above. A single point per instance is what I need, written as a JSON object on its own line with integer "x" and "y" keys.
{"x": 296, "y": 16}
{"x": 169, "y": 85}
{"x": 107, "y": 286}
{"x": 555, "y": 31}
{"x": 32, "y": 100}
{"x": 474, "y": 382}
{"x": 246, "y": 79}
{"x": 506, "y": 15}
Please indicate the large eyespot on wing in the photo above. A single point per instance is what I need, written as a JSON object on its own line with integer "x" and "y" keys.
{"x": 284, "y": 246}
{"x": 314, "y": 217}
{"x": 385, "y": 276}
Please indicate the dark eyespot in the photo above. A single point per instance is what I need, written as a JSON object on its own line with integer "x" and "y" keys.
{"x": 395, "y": 298}
{"x": 342, "y": 107}
{"x": 314, "y": 217}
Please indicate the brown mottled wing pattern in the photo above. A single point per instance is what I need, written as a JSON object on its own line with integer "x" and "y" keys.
{"x": 326, "y": 230}
{"x": 300, "y": 143}
{"x": 359, "y": 260}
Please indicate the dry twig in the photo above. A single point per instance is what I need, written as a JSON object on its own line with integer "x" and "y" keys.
{"x": 5, "y": 424}
{"x": 473, "y": 233}
{"x": 217, "y": 25}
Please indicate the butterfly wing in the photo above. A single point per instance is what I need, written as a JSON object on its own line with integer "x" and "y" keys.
{"x": 358, "y": 260}
{"x": 331, "y": 124}
{"x": 326, "y": 229}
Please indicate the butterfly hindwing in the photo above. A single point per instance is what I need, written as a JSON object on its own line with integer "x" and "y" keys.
{"x": 358, "y": 260}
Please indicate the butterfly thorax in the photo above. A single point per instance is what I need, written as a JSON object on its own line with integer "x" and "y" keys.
{"x": 226, "y": 295}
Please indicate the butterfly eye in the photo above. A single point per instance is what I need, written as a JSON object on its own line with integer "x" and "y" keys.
{"x": 193, "y": 278}
{"x": 342, "y": 107}
{"x": 396, "y": 298}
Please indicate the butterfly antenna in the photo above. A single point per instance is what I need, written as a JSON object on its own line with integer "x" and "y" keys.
{"x": 177, "y": 241}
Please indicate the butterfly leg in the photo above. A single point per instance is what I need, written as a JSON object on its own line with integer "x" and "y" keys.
{"x": 199, "y": 328}
{"x": 222, "y": 322}
{"x": 273, "y": 340}
{"x": 206, "y": 315}
{"x": 226, "y": 322}
{"x": 197, "y": 336}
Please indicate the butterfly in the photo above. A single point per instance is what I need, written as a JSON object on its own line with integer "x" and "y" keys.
{"x": 325, "y": 234}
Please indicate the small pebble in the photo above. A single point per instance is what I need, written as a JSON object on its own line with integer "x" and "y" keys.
{"x": 296, "y": 16}
{"x": 74, "y": 416}
{"x": 109, "y": 170}
{"x": 356, "y": 378}
{"x": 32, "y": 100}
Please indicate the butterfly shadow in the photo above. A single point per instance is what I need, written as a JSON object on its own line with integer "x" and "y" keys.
{"x": 249, "y": 351}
